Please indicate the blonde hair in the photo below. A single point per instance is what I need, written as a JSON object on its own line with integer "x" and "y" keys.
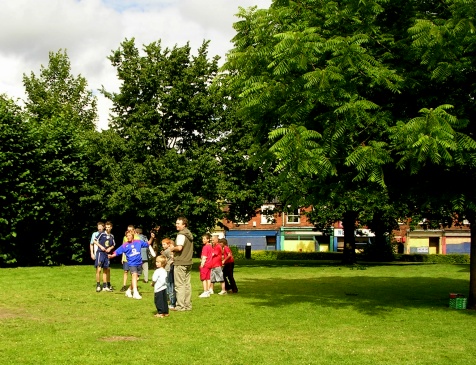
{"x": 162, "y": 260}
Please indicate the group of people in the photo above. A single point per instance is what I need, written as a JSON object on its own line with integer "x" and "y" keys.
{"x": 216, "y": 266}
{"x": 171, "y": 279}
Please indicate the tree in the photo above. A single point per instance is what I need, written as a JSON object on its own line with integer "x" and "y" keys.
{"x": 56, "y": 92}
{"x": 168, "y": 117}
{"x": 303, "y": 69}
{"x": 45, "y": 147}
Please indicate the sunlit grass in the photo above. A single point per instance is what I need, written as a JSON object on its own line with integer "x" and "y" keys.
{"x": 284, "y": 313}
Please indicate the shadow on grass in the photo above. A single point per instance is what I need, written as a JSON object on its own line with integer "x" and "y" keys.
{"x": 372, "y": 295}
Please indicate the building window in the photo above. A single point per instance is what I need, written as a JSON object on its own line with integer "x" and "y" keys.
{"x": 294, "y": 216}
{"x": 267, "y": 214}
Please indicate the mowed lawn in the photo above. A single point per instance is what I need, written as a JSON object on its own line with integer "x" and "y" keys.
{"x": 284, "y": 313}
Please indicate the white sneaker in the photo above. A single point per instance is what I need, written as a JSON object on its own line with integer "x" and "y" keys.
{"x": 222, "y": 292}
{"x": 128, "y": 293}
{"x": 137, "y": 295}
{"x": 205, "y": 294}
{"x": 211, "y": 291}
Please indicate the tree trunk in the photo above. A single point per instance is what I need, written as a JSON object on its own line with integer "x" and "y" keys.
{"x": 348, "y": 224}
{"x": 472, "y": 267}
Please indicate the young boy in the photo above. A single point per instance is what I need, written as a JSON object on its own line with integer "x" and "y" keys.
{"x": 144, "y": 252}
{"x": 105, "y": 243}
{"x": 125, "y": 265}
{"x": 132, "y": 251}
{"x": 228, "y": 266}
{"x": 93, "y": 249}
{"x": 217, "y": 271}
{"x": 206, "y": 266}
{"x": 167, "y": 245}
{"x": 159, "y": 280}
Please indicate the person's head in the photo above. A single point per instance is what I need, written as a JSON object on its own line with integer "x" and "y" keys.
{"x": 166, "y": 243}
{"x": 206, "y": 238}
{"x": 108, "y": 227}
{"x": 181, "y": 223}
{"x": 130, "y": 228}
{"x": 100, "y": 226}
{"x": 223, "y": 242}
{"x": 129, "y": 236}
{"x": 139, "y": 230}
{"x": 214, "y": 239}
{"x": 160, "y": 261}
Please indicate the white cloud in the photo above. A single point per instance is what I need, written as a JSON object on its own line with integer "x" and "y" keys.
{"x": 90, "y": 29}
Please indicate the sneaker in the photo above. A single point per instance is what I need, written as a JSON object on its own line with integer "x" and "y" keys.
{"x": 98, "y": 289}
{"x": 211, "y": 292}
{"x": 205, "y": 294}
{"x": 171, "y": 307}
{"x": 106, "y": 289}
{"x": 222, "y": 292}
{"x": 124, "y": 288}
{"x": 137, "y": 295}
{"x": 128, "y": 293}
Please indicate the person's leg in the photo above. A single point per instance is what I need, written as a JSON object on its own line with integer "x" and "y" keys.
{"x": 179, "y": 281}
{"x": 226, "y": 274}
{"x": 233, "y": 286}
{"x": 145, "y": 270}
{"x": 163, "y": 308}
{"x": 188, "y": 287}
{"x": 98, "y": 278}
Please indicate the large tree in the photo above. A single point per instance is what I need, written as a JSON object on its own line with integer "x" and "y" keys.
{"x": 169, "y": 119}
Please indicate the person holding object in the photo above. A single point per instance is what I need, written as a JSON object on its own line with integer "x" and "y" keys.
{"x": 131, "y": 248}
{"x": 183, "y": 252}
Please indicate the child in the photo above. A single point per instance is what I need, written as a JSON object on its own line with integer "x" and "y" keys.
{"x": 144, "y": 252}
{"x": 167, "y": 244}
{"x": 132, "y": 251}
{"x": 228, "y": 267}
{"x": 93, "y": 248}
{"x": 217, "y": 271}
{"x": 125, "y": 265}
{"x": 105, "y": 243}
{"x": 159, "y": 280}
{"x": 206, "y": 266}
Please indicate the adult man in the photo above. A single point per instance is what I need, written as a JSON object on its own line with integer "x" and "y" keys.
{"x": 183, "y": 251}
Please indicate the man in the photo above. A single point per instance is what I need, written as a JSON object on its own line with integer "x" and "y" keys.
{"x": 183, "y": 251}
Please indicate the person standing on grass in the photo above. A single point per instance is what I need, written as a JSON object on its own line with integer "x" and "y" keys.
{"x": 167, "y": 244}
{"x": 93, "y": 248}
{"x": 159, "y": 281}
{"x": 206, "y": 265}
{"x": 183, "y": 252}
{"x": 144, "y": 252}
{"x": 125, "y": 265}
{"x": 217, "y": 271}
{"x": 132, "y": 249}
{"x": 228, "y": 267}
{"x": 105, "y": 243}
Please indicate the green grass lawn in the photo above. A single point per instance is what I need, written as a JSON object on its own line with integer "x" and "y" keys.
{"x": 285, "y": 313}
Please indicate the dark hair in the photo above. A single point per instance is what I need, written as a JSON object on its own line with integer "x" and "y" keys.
{"x": 109, "y": 223}
{"x": 184, "y": 220}
{"x": 100, "y": 223}
{"x": 224, "y": 241}
{"x": 207, "y": 235}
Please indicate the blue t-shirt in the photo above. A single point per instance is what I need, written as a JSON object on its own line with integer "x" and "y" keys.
{"x": 106, "y": 240}
{"x": 132, "y": 252}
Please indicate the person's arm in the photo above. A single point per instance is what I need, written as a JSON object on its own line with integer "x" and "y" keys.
{"x": 178, "y": 243}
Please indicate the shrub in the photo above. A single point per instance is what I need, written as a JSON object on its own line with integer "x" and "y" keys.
{"x": 436, "y": 259}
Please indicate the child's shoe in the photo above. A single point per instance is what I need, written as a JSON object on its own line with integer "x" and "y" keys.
{"x": 128, "y": 293}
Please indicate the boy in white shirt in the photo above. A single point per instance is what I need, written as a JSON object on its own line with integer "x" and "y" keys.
{"x": 159, "y": 281}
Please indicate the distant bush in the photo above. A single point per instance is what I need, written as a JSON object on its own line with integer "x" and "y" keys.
{"x": 436, "y": 259}
{"x": 292, "y": 255}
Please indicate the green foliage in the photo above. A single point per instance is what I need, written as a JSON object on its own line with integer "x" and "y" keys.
{"x": 434, "y": 259}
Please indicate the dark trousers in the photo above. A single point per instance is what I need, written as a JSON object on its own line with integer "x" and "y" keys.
{"x": 160, "y": 300}
{"x": 228, "y": 276}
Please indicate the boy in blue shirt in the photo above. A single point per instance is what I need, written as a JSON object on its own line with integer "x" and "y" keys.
{"x": 131, "y": 248}
{"x": 105, "y": 244}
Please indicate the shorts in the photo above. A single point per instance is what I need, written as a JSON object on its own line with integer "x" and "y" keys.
{"x": 136, "y": 270}
{"x": 101, "y": 260}
{"x": 217, "y": 275}
{"x": 125, "y": 266}
{"x": 205, "y": 273}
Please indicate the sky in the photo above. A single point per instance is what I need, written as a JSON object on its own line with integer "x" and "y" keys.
{"x": 89, "y": 30}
